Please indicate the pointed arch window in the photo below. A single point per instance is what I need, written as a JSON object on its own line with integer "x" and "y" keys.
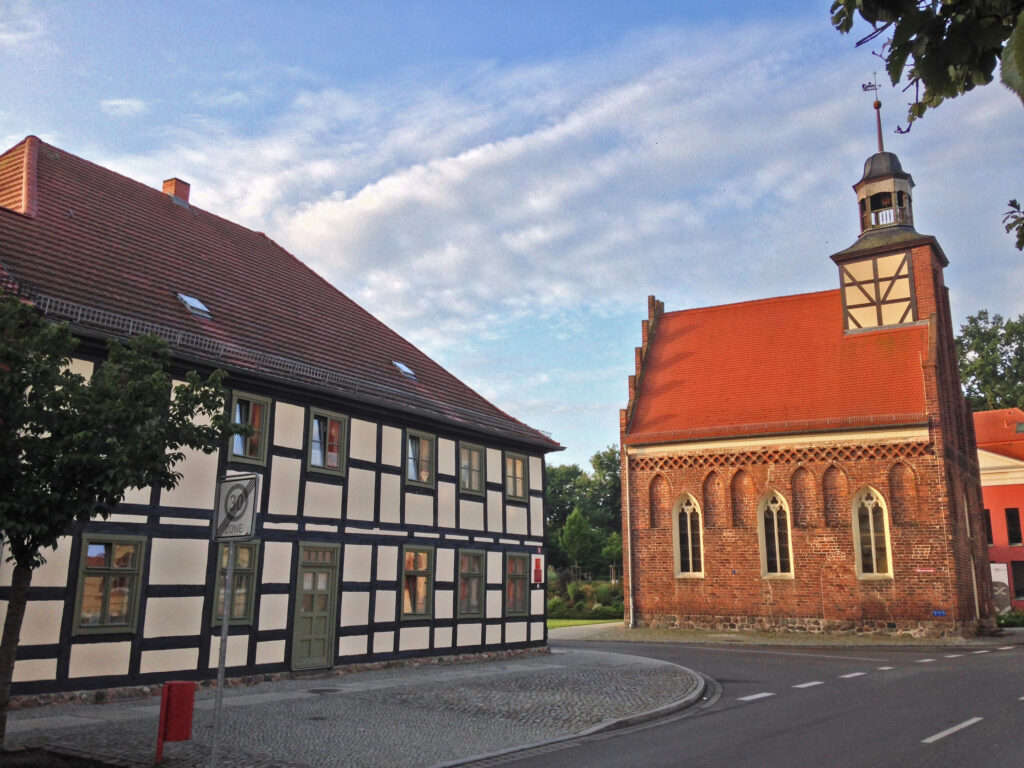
{"x": 871, "y": 535}
{"x": 687, "y": 537}
{"x": 773, "y": 527}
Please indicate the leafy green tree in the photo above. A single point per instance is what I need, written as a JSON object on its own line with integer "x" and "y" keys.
{"x": 69, "y": 449}
{"x": 946, "y": 48}
{"x": 579, "y": 540}
{"x": 603, "y": 490}
{"x": 991, "y": 352}
{"x": 611, "y": 552}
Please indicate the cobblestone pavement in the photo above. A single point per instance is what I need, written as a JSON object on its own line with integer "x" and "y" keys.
{"x": 410, "y": 716}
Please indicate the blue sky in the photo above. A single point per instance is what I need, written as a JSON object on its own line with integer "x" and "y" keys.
{"x": 505, "y": 183}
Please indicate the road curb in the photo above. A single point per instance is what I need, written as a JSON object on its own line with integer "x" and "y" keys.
{"x": 611, "y": 724}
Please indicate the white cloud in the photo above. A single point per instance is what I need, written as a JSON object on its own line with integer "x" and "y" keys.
{"x": 21, "y": 26}
{"x": 704, "y": 166}
{"x": 124, "y": 107}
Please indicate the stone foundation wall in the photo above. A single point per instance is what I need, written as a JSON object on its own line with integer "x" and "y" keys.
{"x": 781, "y": 624}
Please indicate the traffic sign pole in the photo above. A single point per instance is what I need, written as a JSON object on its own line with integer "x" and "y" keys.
{"x": 225, "y": 621}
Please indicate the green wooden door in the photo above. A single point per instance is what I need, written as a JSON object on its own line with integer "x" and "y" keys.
{"x": 315, "y": 590}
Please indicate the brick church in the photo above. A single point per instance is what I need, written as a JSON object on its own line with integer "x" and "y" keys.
{"x": 808, "y": 462}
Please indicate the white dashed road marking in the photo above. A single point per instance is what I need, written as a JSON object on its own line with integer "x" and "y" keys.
{"x": 1006, "y": 648}
{"x": 979, "y": 651}
{"x": 885, "y": 668}
{"x": 756, "y": 696}
{"x": 810, "y": 685}
{"x": 924, "y": 661}
{"x": 854, "y": 674}
{"x": 948, "y": 731}
{"x": 953, "y": 655}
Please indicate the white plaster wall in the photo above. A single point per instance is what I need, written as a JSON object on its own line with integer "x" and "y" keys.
{"x": 270, "y": 652}
{"x": 136, "y": 495}
{"x": 391, "y": 446}
{"x": 494, "y": 511}
{"x": 323, "y": 500}
{"x": 536, "y": 474}
{"x": 469, "y": 634}
{"x": 352, "y": 646}
{"x": 471, "y": 515}
{"x": 444, "y": 601}
{"x": 41, "y": 625}
{"x": 493, "y": 603}
{"x": 173, "y": 616}
{"x": 355, "y": 610}
{"x": 289, "y": 421}
{"x": 284, "y": 485}
{"x": 194, "y": 522}
{"x": 493, "y": 634}
{"x": 387, "y": 563}
{"x": 443, "y": 637}
{"x": 198, "y": 484}
{"x": 537, "y": 604}
{"x": 495, "y": 472}
{"x": 383, "y": 642}
{"x": 384, "y": 606}
{"x": 96, "y": 659}
{"x": 360, "y": 494}
{"x": 273, "y": 612}
{"x": 419, "y": 509}
{"x": 414, "y": 638}
{"x": 178, "y": 561}
{"x": 83, "y": 368}
{"x": 238, "y": 651}
{"x": 536, "y": 630}
{"x": 169, "y": 660}
{"x": 357, "y": 562}
{"x": 495, "y": 574}
{"x": 390, "y": 498}
{"x": 536, "y": 517}
{"x": 27, "y": 670}
{"x": 446, "y": 505}
{"x": 363, "y": 440}
{"x": 277, "y": 562}
{"x": 515, "y": 520}
{"x": 445, "y": 456}
{"x": 445, "y": 568}
{"x": 515, "y": 632}
{"x": 52, "y": 573}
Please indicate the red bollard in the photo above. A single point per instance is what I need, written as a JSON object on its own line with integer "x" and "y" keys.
{"x": 176, "y": 704}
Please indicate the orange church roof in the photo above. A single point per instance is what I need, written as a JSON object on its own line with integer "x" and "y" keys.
{"x": 775, "y": 366}
{"x": 1001, "y": 431}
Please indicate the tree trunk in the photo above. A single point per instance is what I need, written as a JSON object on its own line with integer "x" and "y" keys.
{"x": 20, "y": 582}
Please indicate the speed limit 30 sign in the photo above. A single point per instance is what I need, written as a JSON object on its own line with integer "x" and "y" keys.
{"x": 235, "y": 515}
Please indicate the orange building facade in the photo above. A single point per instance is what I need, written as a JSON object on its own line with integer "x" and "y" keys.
{"x": 1001, "y": 459}
{"x": 807, "y": 462}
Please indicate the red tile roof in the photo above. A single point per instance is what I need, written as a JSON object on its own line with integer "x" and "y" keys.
{"x": 778, "y": 365}
{"x": 82, "y": 234}
{"x": 996, "y": 431}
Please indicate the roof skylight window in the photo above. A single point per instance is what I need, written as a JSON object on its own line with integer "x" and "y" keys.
{"x": 1020, "y": 426}
{"x": 195, "y": 306}
{"x": 405, "y": 370}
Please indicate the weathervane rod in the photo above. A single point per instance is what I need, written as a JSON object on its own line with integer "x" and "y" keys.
{"x": 873, "y": 86}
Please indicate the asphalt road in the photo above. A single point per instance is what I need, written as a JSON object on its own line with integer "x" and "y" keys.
{"x": 789, "y": 707}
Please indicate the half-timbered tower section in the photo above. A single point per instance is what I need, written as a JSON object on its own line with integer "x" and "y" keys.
{"x": 400, "y": 514}
{"x": 807, "y": 462}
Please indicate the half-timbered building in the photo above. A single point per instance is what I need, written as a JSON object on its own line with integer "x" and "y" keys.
{"x": 400, "y": 513}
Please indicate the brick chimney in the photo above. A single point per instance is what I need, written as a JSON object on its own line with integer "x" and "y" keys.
{"x": 177, "y": 188}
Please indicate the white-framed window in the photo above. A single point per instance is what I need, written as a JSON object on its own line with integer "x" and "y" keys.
{"x": 871, "y": 534}
{"x": 419, "y": 458}
{"x": 687, "y": 537}
{"x": 773, "y": 528}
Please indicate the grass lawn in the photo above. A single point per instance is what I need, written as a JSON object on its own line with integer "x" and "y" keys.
{"x": 559, "y": 623}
